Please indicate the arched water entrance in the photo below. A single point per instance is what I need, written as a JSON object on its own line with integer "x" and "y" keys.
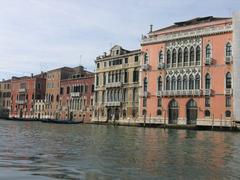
{"x": 116, "y": 114}
{"x": 192, "y": 112}
{"x": 173, "y": 112}
{"x": 109, "y": 114}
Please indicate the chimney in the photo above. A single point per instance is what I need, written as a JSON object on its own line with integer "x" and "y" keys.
{"x": 151, "y": 28}
{"x": 31, "y": 75}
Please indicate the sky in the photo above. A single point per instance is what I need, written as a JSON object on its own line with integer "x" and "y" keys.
{"x": 40, "y": 35}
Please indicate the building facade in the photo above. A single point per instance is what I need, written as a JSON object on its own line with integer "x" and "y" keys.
{"x": 5, "y": 98}
{"x": 117, "y": 87}
{"x": 54, "y": 77}
{"x": 39, "y": 109}
{"x": 187, "y": 73}
{"x": 76, "y": 96}
{"x": 24, "y": 92}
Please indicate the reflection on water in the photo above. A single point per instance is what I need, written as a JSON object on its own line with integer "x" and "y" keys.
{"x": 37, "y": 150}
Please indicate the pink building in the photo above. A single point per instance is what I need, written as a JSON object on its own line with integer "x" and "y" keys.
{"x": 25, "y": 91}
{"x": 187, "y": 73}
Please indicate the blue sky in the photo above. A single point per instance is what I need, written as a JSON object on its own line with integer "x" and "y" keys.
{"x": 39, "y": 35}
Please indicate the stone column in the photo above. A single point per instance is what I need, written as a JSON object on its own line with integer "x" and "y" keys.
{"x": 236, "y": 66}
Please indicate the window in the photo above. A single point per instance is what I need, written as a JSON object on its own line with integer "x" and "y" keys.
{"x": 144, "y": 102}
{"x": 228, "y": 101}
{"x": 228, "y": 80}
{"x": 228, "y": 49}
{"x": 145, "y": 84}
{"x": 198, "y": 55}
{"x": 185, "y": 83}
{"x": 179, "y": 83}
{"x": 180, "y": 57}
{"x": 207, "y": 113}
{"x": 125, "y": 76}
{"x": 173, "y": 84}
{"x": 104, "y": 78}
{"x": 207, "y": 81}
{"x": 168, "y": 58}
{"x": 208, "y": 51}
{"x": 160, "y": 57}
{"x": 191, "y": 82}
{"x": 192, "y": 56}
{"x": 159, "y": 83}
{"x": 197, "y": 81}
{"x": 159, "y": 102}
{"x": 126, "y": 60}
{"x": 98, "y": 65}
{"x": 207, "y": 101}
{"x": 228, "y": 114}
{"x": 97, "y": 80}
{"x": 168, "y": 83}
{"x": 185, "y": 58}
{"x": 146, "y": 58}
{"x": 68, "y": 90}
{"x": 159, "y": 112}
{"x": 61, "y": 90}
{"x": 135, "y": 95}
{"x": 136, "y": 59}
{"x": 174, "y": 58}
{"x": 135, "y": 75}
{"x": 57, "y": 98}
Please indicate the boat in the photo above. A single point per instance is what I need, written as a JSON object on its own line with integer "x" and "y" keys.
{"x": 58, "y": 121}
{"x": 18, "y": 119}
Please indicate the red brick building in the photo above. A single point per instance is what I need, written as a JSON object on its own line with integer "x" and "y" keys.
{"x": 76, "y": 96}
{"x": 24, "y": 91}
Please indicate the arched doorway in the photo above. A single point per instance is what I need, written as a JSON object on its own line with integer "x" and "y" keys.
{"x": 116, "y": 114}
{"x": 192, "y": 111}
{"x": 173, "y": 112}
{"x": 71, "y": 116}
{"x": 109, "y": 114}
{"x": 21, "y": 113}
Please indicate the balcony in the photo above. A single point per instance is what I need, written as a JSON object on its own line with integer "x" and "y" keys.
{"x": 115, "y": 104}
{"x": 208, "y": 61}
{"x": 75, "y": 94}
{"x": 228, "y": 91}
{"x": 161, "y": 66}
{"x": 22, "y": 90}
{"x": 159, "y": 93}
{"x": 114, "y": 84}
{"x": 145, "y": 67}
{"x": 194, "y": 92}
{"x": 21, "y": 102}
{"x": 208, "y": 92}
{"x": 228, "y": 59}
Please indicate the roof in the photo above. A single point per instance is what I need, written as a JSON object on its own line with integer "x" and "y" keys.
{"x": 194, "y": 21}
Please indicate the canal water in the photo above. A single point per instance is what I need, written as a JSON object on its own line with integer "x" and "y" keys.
{"x": 34, "y": 150}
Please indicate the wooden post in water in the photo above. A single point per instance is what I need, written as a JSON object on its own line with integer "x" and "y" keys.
{"x": 212, "y": 121}
{"x": 144, "y": 119}
{"x": 221, "y": 122}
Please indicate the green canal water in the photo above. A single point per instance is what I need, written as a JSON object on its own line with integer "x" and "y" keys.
{"x": 34, "y": 150}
